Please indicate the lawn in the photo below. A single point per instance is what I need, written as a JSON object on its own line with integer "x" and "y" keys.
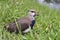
{"x": 47, "y": 26}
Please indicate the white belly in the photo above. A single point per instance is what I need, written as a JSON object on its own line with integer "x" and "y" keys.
{"x": 27, "y": 30}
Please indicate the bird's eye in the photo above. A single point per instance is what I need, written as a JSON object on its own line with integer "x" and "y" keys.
{"x": 33, "y": 11}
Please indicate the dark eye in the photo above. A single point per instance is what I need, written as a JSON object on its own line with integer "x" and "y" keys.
{"x": 33, "y": 11}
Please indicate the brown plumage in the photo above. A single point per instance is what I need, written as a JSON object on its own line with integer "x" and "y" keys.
{"x": 23, "y": 23}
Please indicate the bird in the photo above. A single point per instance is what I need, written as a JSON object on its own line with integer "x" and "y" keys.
{"x": 24, "y": 24}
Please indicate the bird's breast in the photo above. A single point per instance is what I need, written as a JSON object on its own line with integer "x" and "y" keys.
{"x": 32, "y": 23}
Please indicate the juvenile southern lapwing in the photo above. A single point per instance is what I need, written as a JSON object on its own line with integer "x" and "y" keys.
{"x": 23, "y": 23}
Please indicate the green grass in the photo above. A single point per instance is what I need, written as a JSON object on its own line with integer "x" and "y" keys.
{"x": 12, "y": 9}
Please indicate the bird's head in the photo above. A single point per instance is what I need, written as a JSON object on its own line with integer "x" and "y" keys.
{"x": 32, "y": 13}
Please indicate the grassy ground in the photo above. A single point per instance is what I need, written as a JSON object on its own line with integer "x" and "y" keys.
{"x": 47, "y": 26}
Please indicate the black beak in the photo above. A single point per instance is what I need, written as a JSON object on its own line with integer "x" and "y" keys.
{"x": 37, "y": 14}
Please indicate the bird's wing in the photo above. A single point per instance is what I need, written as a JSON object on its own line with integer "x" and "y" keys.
{"x": 24, "y": 23}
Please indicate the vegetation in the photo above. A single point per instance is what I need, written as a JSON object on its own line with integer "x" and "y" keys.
{"x": 47, "y": 26}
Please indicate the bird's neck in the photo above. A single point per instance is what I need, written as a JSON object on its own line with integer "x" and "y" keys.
{"x": 31, "y": 17}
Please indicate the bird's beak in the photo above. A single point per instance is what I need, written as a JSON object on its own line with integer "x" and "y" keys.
{"x": 37, "y": 15}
